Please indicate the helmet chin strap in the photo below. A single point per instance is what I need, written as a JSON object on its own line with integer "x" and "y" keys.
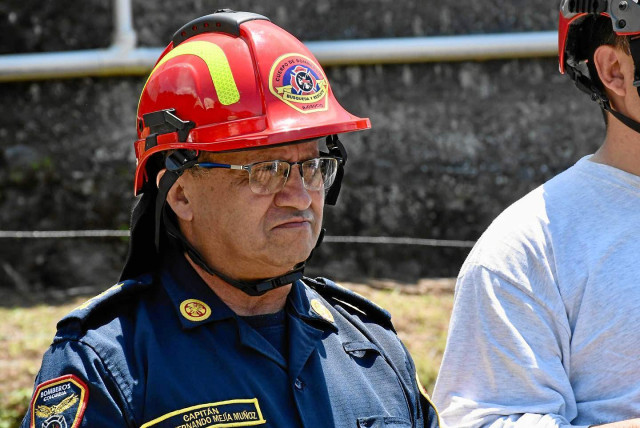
{"x": 252, "y": 288}
{"x": 585, "y": 84}
{"x": 621, "y": 117}
{"x": 177, "y": 163}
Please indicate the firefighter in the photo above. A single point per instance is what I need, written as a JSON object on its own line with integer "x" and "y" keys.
{"x": 213, "y": 323}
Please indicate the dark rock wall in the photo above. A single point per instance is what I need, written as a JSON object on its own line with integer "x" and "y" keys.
{"x": 452, "y": 144}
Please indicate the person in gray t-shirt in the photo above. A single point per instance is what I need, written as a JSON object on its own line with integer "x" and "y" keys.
{"x": 544, "y": 330}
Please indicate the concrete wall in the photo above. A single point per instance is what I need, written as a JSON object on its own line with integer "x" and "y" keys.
{"x": 452, "y": 144}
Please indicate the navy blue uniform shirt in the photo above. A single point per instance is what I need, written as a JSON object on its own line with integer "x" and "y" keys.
{"x": 164, "y": 351}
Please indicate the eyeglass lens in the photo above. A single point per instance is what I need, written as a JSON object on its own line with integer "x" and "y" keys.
{"x": 271, "y": 177}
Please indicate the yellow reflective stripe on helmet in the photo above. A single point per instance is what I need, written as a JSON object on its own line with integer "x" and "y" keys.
{"x": 216, "y": 60}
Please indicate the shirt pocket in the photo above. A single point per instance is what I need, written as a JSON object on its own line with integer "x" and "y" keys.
{"x": 361, "y": 351}
{"x": 383, "y": 421}
{"x": 388, "y": 405}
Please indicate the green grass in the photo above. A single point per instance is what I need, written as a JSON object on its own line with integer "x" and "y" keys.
{"x": 421, "y": 320}
{"x": 25, "y": 333}
{"x": 420, "y": 314}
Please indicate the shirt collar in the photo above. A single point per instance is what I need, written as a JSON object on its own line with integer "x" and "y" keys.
{"x": 196, "y": 304}
{"x": 305, "y": 303}
{"x": 194, "y": 301}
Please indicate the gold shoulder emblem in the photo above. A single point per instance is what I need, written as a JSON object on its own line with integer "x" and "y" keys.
{"x": 321, "y": 310}
{"x": 195, "y": 310}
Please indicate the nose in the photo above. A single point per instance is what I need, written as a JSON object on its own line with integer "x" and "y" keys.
{"x": 294, "y": 194}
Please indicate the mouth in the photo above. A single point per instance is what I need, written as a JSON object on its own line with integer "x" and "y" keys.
{"x": 292, "y": 223}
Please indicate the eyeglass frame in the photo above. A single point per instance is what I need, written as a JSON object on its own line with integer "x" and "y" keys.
{"x": 248, "y": 167}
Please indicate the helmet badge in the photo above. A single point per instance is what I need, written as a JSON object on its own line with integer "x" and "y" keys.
{"x": 299, "y": 82}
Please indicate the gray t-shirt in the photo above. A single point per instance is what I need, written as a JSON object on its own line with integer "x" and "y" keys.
{"x": 545, "y": 329}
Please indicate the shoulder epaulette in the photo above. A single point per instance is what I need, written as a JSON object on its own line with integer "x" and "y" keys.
{"x": 106, "y": 299}
{"x": 332, "y": 291}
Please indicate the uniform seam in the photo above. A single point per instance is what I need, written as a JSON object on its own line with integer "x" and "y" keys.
{"x": 523, "y": 289}
{"x": 109, "y": 372}
{"x": 361, "y": 326}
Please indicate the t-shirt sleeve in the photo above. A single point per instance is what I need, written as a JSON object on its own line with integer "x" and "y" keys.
{"x": 74, "y": 389}
{"x": 504, "y": 363}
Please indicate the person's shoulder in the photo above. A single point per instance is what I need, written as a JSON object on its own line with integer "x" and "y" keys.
{"x": 114, "y": 306}
{"x": 354, "y": 304}
{"x": 532, "y": 210}
{"x": 519, "y": 242}
{"x": 527, "y": 220}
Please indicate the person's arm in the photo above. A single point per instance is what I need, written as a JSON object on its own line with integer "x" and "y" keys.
{"x": 73, "y": 384}
{"x": 503, "y": 364}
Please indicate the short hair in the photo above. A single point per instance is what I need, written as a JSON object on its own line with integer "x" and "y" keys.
{"x": 586, "y": 37}
{"x": 602, "y": 34}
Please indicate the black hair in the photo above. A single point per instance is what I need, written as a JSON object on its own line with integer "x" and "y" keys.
{"x": 586, "y": 37}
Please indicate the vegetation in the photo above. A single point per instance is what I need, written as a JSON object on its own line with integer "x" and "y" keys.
{"x": 420, "y": 313}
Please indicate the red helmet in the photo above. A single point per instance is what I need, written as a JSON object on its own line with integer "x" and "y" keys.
{"x": 580, "y": 31}
{"x": 231, "y": 81}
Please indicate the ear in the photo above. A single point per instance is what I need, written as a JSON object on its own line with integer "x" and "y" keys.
{"x": 177, "y": 198}
{"x": 609, "y": 63}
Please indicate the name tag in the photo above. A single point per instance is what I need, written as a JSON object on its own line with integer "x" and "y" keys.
{"x": 230, "y": 413}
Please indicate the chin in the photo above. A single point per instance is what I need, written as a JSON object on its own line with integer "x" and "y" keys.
{"x": 288, "y": 261}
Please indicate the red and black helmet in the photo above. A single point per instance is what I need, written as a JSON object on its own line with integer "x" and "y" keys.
{"x": 572, "y": 34}
{"x": 232, "y": 81}
{"x": 580, "y": 29}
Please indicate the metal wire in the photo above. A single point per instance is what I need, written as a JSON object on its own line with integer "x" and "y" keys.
{"x": 58, "y": 234}
{"x": 379, "y": 240}
{"x": 398, "y": 241}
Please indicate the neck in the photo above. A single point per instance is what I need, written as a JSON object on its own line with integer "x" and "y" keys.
{"x": 240, "y": 302}
{"x": 621, "y": 148}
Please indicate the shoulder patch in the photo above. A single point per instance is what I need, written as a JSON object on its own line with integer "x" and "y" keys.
{"x": 113, "y": 294}
{"x": 59, "y": 403}
{"x": 332, "y": 291}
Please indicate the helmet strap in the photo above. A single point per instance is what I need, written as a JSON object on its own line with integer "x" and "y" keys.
{"x": 621, "y": 117}
{"x": 585, "y": 84}
{"x": 337, "y": 150}
{"x": 252, "y": 288}
{"x": 176, "y": 163}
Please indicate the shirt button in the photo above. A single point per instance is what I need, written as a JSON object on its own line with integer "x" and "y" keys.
{"x": 299, "y": 384}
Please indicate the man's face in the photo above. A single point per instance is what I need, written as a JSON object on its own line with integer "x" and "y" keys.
{"x": 249, "y": 236}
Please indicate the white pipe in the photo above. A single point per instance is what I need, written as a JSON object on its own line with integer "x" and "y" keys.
{"x": 122, "y": 58}
{"x": 436, "y": 49}
{"x": 124, "y": 35}
{"x": 99, "y": 62}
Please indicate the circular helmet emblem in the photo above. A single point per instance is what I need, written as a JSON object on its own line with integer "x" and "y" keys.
{"x": 299, "y": 82}
{"x": 302, "y": 80}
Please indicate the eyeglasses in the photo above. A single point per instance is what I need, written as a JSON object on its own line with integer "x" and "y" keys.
{"x": 270, "y": 177}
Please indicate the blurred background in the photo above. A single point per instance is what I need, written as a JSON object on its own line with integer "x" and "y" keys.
{"x": 453, "y": 143}
{"x": 455, "y": 140}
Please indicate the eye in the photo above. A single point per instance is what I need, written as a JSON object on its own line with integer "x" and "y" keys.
{"x": 268, "y": 177}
